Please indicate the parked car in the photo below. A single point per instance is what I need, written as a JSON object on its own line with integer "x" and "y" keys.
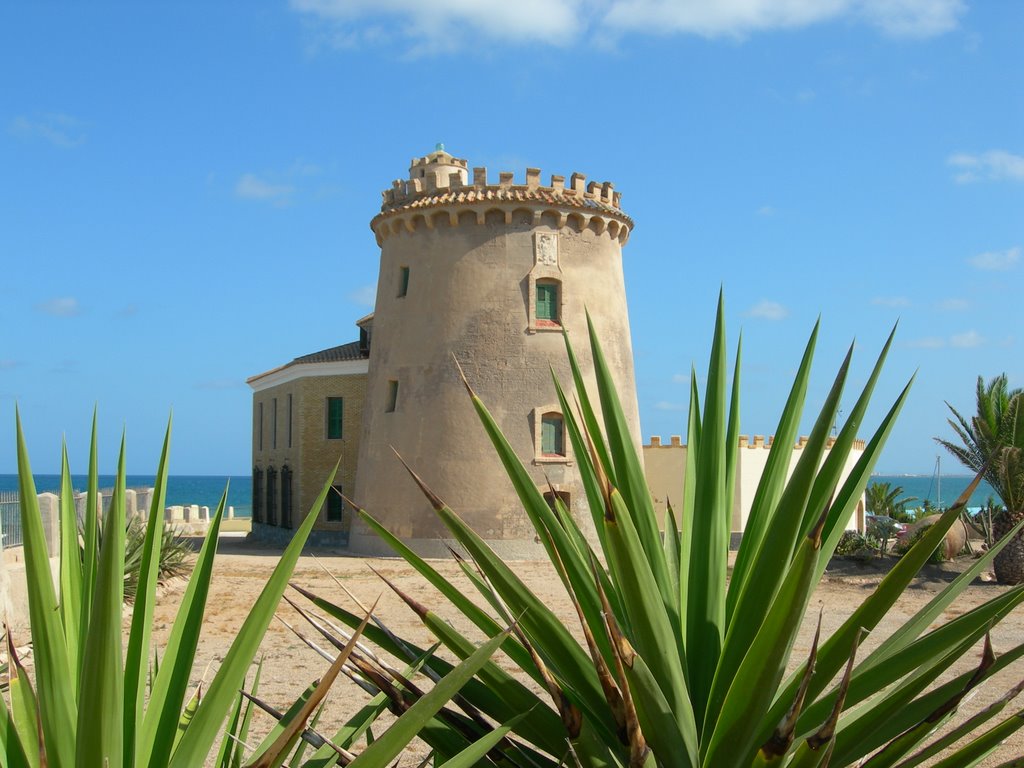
{"x": 883, "y": 526}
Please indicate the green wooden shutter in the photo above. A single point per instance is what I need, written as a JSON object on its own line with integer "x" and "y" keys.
{"x": 335, "y": 417}
{"x": 551, "y": 436}
{"x": 547, "y": 301}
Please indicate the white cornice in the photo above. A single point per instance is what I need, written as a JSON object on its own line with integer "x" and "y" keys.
{"x": 289, "y": 373}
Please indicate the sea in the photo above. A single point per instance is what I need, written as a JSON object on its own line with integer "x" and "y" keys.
{"x": 206, "y": 490}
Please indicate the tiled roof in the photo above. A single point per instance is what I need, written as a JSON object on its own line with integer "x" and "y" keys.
{"x": 350, "y": 351}
{"x": 567, "y": 197}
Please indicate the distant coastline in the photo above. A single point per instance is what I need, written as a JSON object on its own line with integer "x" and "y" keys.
{"x": 206, "y": 490}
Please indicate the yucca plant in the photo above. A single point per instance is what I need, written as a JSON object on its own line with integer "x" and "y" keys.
{"x": 96, "y": 702}
{"x": 679, "y": 663}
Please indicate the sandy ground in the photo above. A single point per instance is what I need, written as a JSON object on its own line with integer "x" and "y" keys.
{"x": 242, "y": 569}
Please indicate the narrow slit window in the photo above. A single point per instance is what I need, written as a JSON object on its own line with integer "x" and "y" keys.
{"x": 335, "y": 417}
{"x": 273, "y": 423}
{"x": 552, "y": 435}
{"x": 403, "y": 282}
{"x": 392, "y": 401}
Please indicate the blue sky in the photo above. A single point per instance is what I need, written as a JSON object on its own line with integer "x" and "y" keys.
{"x": 186, "y": 190}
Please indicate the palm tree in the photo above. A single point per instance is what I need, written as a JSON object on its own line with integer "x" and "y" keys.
{"x": 993, "y": 441}
{"x": 884, "y": 499}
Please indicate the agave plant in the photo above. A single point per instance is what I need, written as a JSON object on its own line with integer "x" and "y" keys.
{"x": 679, "y": 664}
{"x": 94, "y": 700}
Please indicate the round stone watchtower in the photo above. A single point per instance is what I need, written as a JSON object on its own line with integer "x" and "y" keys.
{"x": 491, "y": 274}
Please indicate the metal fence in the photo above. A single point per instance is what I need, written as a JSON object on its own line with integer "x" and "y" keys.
{"x": 10, "y": 519}
{"x": 10, "y": 515}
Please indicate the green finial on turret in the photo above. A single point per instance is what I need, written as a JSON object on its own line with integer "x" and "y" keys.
{"x": 439, "y": 147}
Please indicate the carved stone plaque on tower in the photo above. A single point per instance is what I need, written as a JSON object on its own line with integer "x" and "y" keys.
{"x": 546, "y": 249}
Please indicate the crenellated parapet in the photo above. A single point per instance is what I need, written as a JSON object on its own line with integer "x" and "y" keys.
{"x": 751, "y": 442}
{"x": 440, "y": 193}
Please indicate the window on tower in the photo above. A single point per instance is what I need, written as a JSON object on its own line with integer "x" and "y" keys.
{"x": 552, "y": 435}
{"x": 403, "y": 282}
{"x": 392, "y": 401}
{"x": 549, "y": 302}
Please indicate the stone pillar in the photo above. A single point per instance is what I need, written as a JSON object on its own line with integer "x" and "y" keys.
{"x": 130, "y": 504}
{"x": 49, "y": 511}
{"x": 174, "y": 514}
{"x": 144, "y": 500}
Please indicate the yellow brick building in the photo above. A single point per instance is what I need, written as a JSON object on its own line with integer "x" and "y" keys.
{"x": 307, "y": 415}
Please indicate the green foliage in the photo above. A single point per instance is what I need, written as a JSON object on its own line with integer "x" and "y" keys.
{"x": 883, "y": 499}
{"x": 98, "y": 701}
{"x": 857, "y": 546}
{"x": 936, "y": 557}
{"x": 992, "y": 441}
{"x": 172, "y": 561}
{"x": 89, "y": 705}
{"x": 676, "y": 665}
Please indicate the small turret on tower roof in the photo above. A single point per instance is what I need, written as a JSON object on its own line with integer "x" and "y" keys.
{"x": 435, "y": 170}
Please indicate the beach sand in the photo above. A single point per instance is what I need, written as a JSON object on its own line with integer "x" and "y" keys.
{"x": 243, "y": 568}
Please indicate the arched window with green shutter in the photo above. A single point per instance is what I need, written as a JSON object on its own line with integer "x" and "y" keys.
{"x": 552, "y": 435}
{"x": 549, "y": 301}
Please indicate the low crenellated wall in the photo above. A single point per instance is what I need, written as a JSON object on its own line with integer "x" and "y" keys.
{"x": 665, "y": 467}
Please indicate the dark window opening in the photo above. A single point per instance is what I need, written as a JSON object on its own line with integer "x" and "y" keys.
{"x": 259, "y": 420}
{"x": 286, "y": 497}
{"x": 290, "y": 421}
{"x": 403, "y": 282}
{"x": 257, "y": 495}
{"x": 563, "y": 496}
{"x": 392, "y": 402}
{"x": 271, "y": 496}
{"x": 273, "y": 423}
{"x": 335, "y": 417}
{"x": 335, "y": 505}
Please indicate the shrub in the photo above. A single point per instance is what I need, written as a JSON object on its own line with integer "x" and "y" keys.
{"x": 936, "y": 557}
{"x": 678, "y": 666}
{"x": 92, "y": 700}
{"x": 857, "y": 546}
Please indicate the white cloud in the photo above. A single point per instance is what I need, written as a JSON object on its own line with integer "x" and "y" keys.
{"x": 446, "y": 25}
{"x": 927, "y": 342}
{"x": 64, "y": 306}
{"x": 60, "y": 130}
{"x": 364, "y": 295}
{"x": 913, "y": 18}
{"x": 768, "y": 310}
{"x": 891, "y": 301}
{"x": 766, "y": 210}
{"x": 252, "y": 187}
{"x": 664, "y": 405}
{"x": 953, "y": 305}
{"x": 996, "y": 261}
{"x": 994, "y": 165}
{"x": 680, "y": 378}
{"x": 966, "y": 340}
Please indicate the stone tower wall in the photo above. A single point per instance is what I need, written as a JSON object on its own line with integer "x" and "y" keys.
{"x": 474, "y": 253}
